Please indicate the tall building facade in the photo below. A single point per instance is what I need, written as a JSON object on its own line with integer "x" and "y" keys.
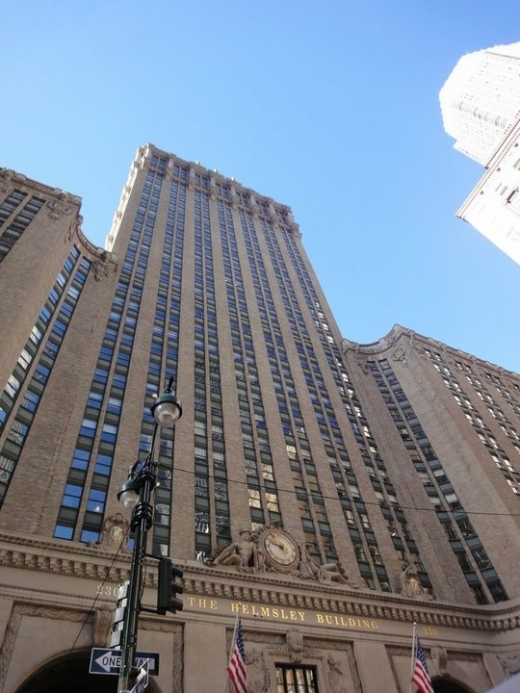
{"x": 493, "y": 206}
{"x": 309, "y": 486}
{"x": 480, "y": 105}
{"x": 481, "y": 99}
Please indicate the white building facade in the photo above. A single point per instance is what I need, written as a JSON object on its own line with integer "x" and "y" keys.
{"x": 481, "y": 99}
{"x": 480, "y": 105}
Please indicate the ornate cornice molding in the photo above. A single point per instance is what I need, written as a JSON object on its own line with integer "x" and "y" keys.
{"x": 275, "y": 590}
{"x": 9, "y": 178}
{"x": 418, "y": 343}
{"x": 355, "y": 603}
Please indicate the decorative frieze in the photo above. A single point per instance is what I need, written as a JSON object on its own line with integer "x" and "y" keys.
{"x": 274, "y": 596}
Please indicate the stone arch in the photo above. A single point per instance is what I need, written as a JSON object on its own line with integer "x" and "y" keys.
{"x": 70, "y": 672}
{"x": 448, "y": 685}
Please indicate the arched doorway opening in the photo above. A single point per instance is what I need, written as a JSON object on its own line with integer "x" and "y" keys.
{"x": 70, "y": 673}
{"x": 446, "y": 685}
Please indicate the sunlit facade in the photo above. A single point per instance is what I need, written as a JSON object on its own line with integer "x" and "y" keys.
{"x": 480, "y": 105}
{"x": 309, "y": 486}
{"x": 481, "y": 99}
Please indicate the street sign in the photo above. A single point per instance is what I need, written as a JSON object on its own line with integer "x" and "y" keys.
{"x": 142, "y": 679}
{"x": 106, "y": 661}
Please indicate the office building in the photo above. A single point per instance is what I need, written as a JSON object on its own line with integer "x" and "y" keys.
{"x": 493, "y": 206}
{"x": 480, "y": 105}
{"x": 481, "y": 99}
{"x": 309, "y": 486}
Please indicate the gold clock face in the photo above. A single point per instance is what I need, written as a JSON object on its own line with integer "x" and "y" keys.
{"x": 280, "y": 548}
{"x": 414, "y": 584}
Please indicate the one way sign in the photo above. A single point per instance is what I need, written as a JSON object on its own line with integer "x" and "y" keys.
{"x": 105, "y": 661}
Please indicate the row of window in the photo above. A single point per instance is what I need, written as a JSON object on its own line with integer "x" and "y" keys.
{"x": 471, "y": 556}
{"x": 363, "y": 539}
{"x": 88, "y": 481}
{"x": 211, "y": 483}
{"x": 19, "y": 221}
{"x": 35, "y": 363}
{"x": 163, "y": 362}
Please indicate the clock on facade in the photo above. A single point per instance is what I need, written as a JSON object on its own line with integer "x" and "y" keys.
{"x": 280, "y": 549}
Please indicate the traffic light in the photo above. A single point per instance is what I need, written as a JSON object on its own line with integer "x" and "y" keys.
{"x": 119, "y": 615}
{"x": 168, "y": 588}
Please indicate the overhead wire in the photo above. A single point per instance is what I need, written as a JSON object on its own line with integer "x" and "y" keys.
{"x": 98, "y": 592}
{"x": 370, "y": 503}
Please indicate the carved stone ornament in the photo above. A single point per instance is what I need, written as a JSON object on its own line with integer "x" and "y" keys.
{"x": 272, "y": 549}
{"x": 258, "y": 675}
{"x": 102, "y": 627}
{"x": 510, "y": 662}
{"x": 58, "y": 208}
{"x": 242, "y": 554}
{"x": 335, "y": 675}
{"x": 411, "y": 585}
{"x": 101, "y": 267}
{"x": 73, "y": 229}
{"x": 440, "y": 659}
{"x": 399, "y": 354}
{"x": 361, "y": 361}
{"x": 5, "y": 179}
{"x": 115, "y": 532}
{"x": 295, "y": 647}
{"x": 326, "y": 573}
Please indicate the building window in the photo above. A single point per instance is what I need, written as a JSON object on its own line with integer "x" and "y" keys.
{"x": 291, "y": 679}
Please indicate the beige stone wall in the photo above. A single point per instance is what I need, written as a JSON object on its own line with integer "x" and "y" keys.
{"x": 50, "y": 608}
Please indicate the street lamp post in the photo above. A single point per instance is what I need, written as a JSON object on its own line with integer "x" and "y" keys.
{"x": 136, "y": 492}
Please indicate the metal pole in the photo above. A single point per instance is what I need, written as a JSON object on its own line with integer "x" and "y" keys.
{"x": 142, "y": 520}
{"x": 413, "y": 655}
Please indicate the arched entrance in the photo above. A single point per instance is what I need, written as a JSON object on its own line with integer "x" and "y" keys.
{"x": 69, "y": 674}
{"x": 449, "y": 686}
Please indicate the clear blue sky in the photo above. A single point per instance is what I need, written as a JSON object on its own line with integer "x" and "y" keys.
{"x": 330, "y": 107}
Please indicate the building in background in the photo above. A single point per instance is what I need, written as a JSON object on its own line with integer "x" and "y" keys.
{"x": 480, "y": 100}
{"x": 330, "y": 493}
{"x": 480, "y": 105}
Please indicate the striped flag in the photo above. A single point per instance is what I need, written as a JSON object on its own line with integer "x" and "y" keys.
{"x": 420, "y": 675}
{"x": 236, "y": 668}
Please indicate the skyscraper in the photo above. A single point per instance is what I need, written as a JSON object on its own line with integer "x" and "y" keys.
{"x": 310, "y": 486}
{"x": 480, "y": 104}
{"x": 481, "y": 99}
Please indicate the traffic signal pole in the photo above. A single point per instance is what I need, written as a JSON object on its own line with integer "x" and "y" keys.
{"x": 136, "y": 492}
{"x": 142, "y": 520}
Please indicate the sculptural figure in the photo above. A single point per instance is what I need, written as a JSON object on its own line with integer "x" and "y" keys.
{"x": 242, "y": 553}
{"x": 411, "y": 585}
{"x": 328, "y": 572}
{"x": 336, "y": 572}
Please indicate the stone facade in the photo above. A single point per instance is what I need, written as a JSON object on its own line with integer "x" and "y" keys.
{"x": 329, "y": 493}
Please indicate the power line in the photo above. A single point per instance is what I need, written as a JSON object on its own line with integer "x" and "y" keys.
{"x": 98, "y": 593}
{"x": 452, "y": 511}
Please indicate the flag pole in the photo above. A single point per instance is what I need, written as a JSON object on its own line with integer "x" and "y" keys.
{"x": 228, "y": 682}
{"x": 413, "y": 655}
{"x": 233, "y": 640}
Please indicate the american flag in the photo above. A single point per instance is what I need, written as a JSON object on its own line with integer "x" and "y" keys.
{"x": 237, "y": 664}
{"x": 420, "y": 676}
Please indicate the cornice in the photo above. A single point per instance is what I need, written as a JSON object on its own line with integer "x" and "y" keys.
{"x": 59, "y": 203}
{"x": 417, "y": 341}
{"x": 271, "y": 589}
{"x": 23, "y": 181}
{"x": 376, "y": 347}
{"x": 149, "y": 148}
{"x": 347, "y": 601}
